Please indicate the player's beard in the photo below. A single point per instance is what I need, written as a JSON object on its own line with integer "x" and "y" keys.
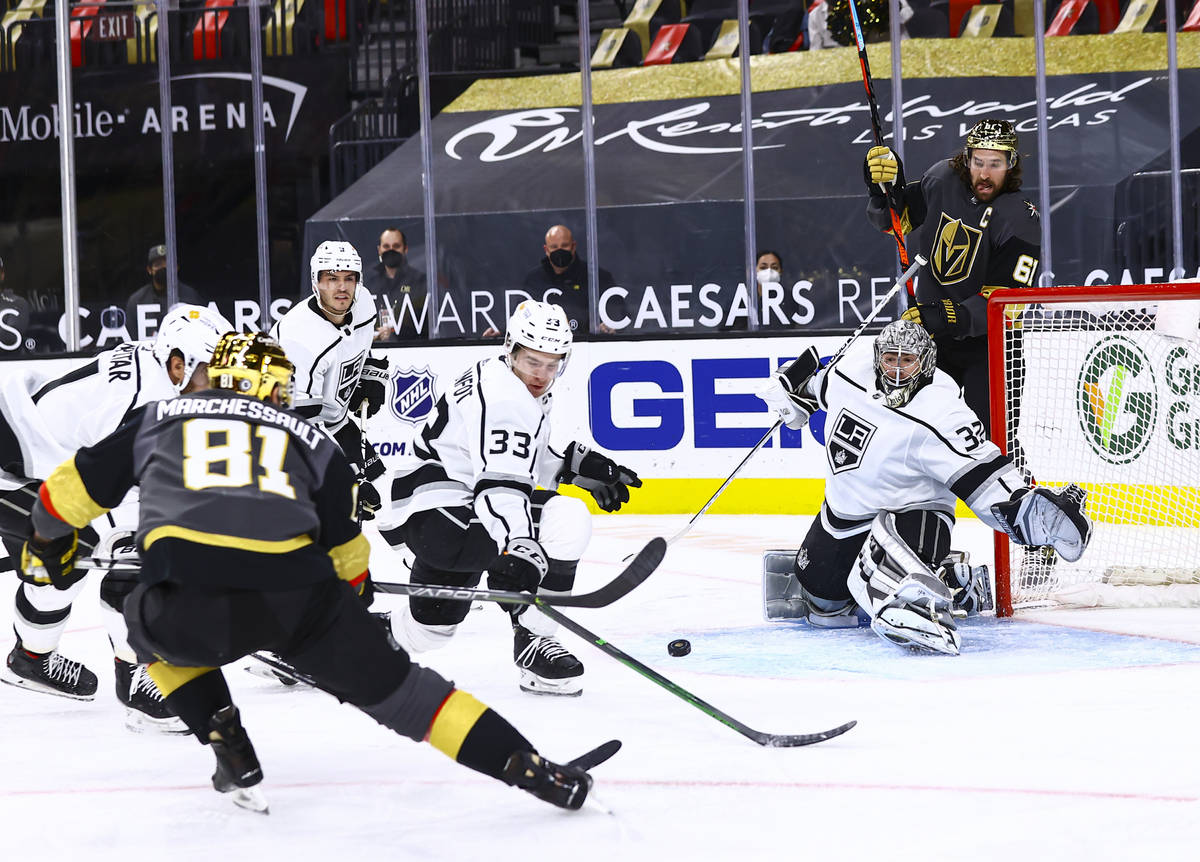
{"x": 985, "y": 190}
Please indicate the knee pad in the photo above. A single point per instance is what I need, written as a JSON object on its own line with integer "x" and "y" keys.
{"x": 115, "y": 587}
{"x": 411, "y": 708}
{"x": 439, "y": 612}
{"x": 564, "y": 528}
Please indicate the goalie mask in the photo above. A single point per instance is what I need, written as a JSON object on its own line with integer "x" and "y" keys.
{"x": 911, "y": 357}
{"x": 252, "y": 364}
{"x": 334, "y": 256}
{"x": 993, "y": 135}
{"x": 539, "y": 326}
{"x": 193, "y": 331}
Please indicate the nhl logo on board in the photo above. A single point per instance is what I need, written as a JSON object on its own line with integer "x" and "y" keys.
{"x": 414, "y": 397}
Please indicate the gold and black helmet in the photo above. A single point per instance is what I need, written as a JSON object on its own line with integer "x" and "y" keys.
{"x": 253, "y": 364}
{"x": 993, "y": 135}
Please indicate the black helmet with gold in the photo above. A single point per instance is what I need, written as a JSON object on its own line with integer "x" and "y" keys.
{"x": 252, "y": 364}
{"x": 993, "y": 135}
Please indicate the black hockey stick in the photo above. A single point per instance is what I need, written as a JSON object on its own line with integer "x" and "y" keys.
{"x": 771, "y": 740}
{"x": 895, "y": 202}
{"x": 642, "y": 566}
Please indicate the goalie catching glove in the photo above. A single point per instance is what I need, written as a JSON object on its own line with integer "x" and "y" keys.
{"x": 787, "y": 393}
{"x": 372, "y": 387}
{"x": 51, "y": 561}
{"x": 940, "y": 318}
{"x": 519, "y": 568}
{"x": 603, "y": 478}
{"x": 1043, "y": 516}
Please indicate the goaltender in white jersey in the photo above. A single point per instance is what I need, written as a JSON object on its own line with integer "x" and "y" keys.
{"x": 901, "y": 447}
{"x": 42, "y": 423}
{"x": 467, "y": 499}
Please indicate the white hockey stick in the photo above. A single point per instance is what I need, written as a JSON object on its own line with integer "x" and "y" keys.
{"x": 918, "y": 262}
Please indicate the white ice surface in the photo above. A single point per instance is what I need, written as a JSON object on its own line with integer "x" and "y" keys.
{"x": 1056, "y": 738}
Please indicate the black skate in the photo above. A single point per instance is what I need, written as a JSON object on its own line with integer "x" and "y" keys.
{"x": 49, "y": 673}
{"x": 546, "y": 666}
{"x": 564, "y": 786}
{"x": 275, "y": 671}
{"x": 238, "y": 771}
{"x": 145, "y": 711}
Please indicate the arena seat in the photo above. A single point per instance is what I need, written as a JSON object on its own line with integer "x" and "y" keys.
{"x": 85, "y": 19}
{"x": 987, "y": 20}
{"x": 675, "y": 43}
{"x": 725, "y": 43}
{"x": 618, "y": 48}
{"x": 1137, "y": 16}
{"x": 647, "y": 16}
{"x": 1192, "y": 24}
{"x": 206, "y": 35}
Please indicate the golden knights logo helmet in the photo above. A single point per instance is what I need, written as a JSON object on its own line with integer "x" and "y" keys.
{"x": 904, "y": 336}
{"x": 993, "y": 135}
{"x": 253, "y": 364}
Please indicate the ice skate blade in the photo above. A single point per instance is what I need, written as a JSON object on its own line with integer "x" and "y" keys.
{"x": 39, "y": 688}
{"x": 137, "y": 721}
{"x": 570, "y": 687}
{"x": 250, "y": 798}
{"x": 262, "y": 671}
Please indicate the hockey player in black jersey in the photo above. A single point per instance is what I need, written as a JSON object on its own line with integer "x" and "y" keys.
{"x": 249, "y": 542}
{"x": 977, "y": 233}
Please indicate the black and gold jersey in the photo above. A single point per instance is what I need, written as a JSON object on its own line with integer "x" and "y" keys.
{"x": 973, "y": 247}
{"x": 223, "y": 470}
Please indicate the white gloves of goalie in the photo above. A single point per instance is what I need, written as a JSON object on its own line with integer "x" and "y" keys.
{"x": 1043, "y": 516}
{"x": 787, "y": 392}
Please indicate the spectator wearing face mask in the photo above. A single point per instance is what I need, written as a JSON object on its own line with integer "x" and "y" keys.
{"x": 399, "y": 288}
{"x": 146, "y": 306}
{"x": 775, "y": 302}
{"x": 562, "y": 269}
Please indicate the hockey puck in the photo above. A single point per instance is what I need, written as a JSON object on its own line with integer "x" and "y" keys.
{"x": 679, "y": 647}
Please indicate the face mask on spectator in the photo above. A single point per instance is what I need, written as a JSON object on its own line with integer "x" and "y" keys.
{"x": 766, "y": 276}
{"x": 561, "y": 257}
{"x": 159, "y": 277}
{"x": 392, "y": 259}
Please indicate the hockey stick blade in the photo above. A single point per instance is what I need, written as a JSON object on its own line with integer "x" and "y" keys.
{"x": 599, "y": 754}
{"x": 770, "y": 740}
{"x": 642, "y": 566}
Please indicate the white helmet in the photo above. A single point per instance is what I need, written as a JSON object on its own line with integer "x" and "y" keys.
{"x": 194, "y": 331}
{"x": 539, "y": 326}
{"x": 335, "y": 256}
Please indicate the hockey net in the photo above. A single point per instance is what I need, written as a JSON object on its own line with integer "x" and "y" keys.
{"x": 1101, "y": 386}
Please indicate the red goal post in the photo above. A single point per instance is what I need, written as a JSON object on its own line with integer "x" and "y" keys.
{"x": 1101, "y": 386}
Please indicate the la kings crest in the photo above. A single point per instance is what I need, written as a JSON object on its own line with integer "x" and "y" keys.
{"x": 848, "y": 441}
{"x": 955, "y": 246}
{"x": 414, "y": 398}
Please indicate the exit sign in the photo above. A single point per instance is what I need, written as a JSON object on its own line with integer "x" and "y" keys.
{"x": 114, "y": 27}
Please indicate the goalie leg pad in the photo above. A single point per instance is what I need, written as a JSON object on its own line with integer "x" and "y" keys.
{"x": 785, "y": 598}
{"x": 908, "y": 604}
{"x": 1044, "y": 516}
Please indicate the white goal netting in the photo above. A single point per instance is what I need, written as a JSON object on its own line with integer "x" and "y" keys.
{"x": 1106, "y": 393}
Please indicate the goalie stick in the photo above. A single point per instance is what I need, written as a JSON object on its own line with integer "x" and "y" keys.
{"x": 770, "y": 740}
{"x": 893, "y": 194}
{"x": 917, "y": 263}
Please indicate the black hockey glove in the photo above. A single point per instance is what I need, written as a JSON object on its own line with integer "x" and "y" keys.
{"x": 945, "y": 317}
{"x": 787, "y": 393}
{"x": 519, "y": 568}
{"x": 882, "y": 166}
{"x": 368, "y": 501}
{"x": 372, "y": 387}
{"x": 603, "y": 478}
{"x": 51, "y": 561}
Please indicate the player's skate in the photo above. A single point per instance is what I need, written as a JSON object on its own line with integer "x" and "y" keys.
{"x": 564, "y": 786}
{"x": 918, "y": 614}
{"x": 49, "y": 673}
{"x": 238, "y": 771}
{"x": 546, "y": 666}
{"x": 145, "y": 710}
{"x": 265, "y": 671}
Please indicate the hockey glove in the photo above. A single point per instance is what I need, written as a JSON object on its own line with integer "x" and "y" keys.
{"x": 372, "y": 387}
{"x": 882, "y": 166}
{"x": 519, "y": 568}
{"x": 367, "y": 501}
{"x": 945, "y": 317}
{"x": 1042, "y": 516}
{"x": 602, "y": 477}
{"x": 51, "y": 561}
{"x": 787, "y": 393}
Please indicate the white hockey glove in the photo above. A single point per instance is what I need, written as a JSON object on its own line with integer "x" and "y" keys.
{"x": 1042, "y": 516}
{"x": 602, "y": 477}
{"x": 787, "y": 392}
